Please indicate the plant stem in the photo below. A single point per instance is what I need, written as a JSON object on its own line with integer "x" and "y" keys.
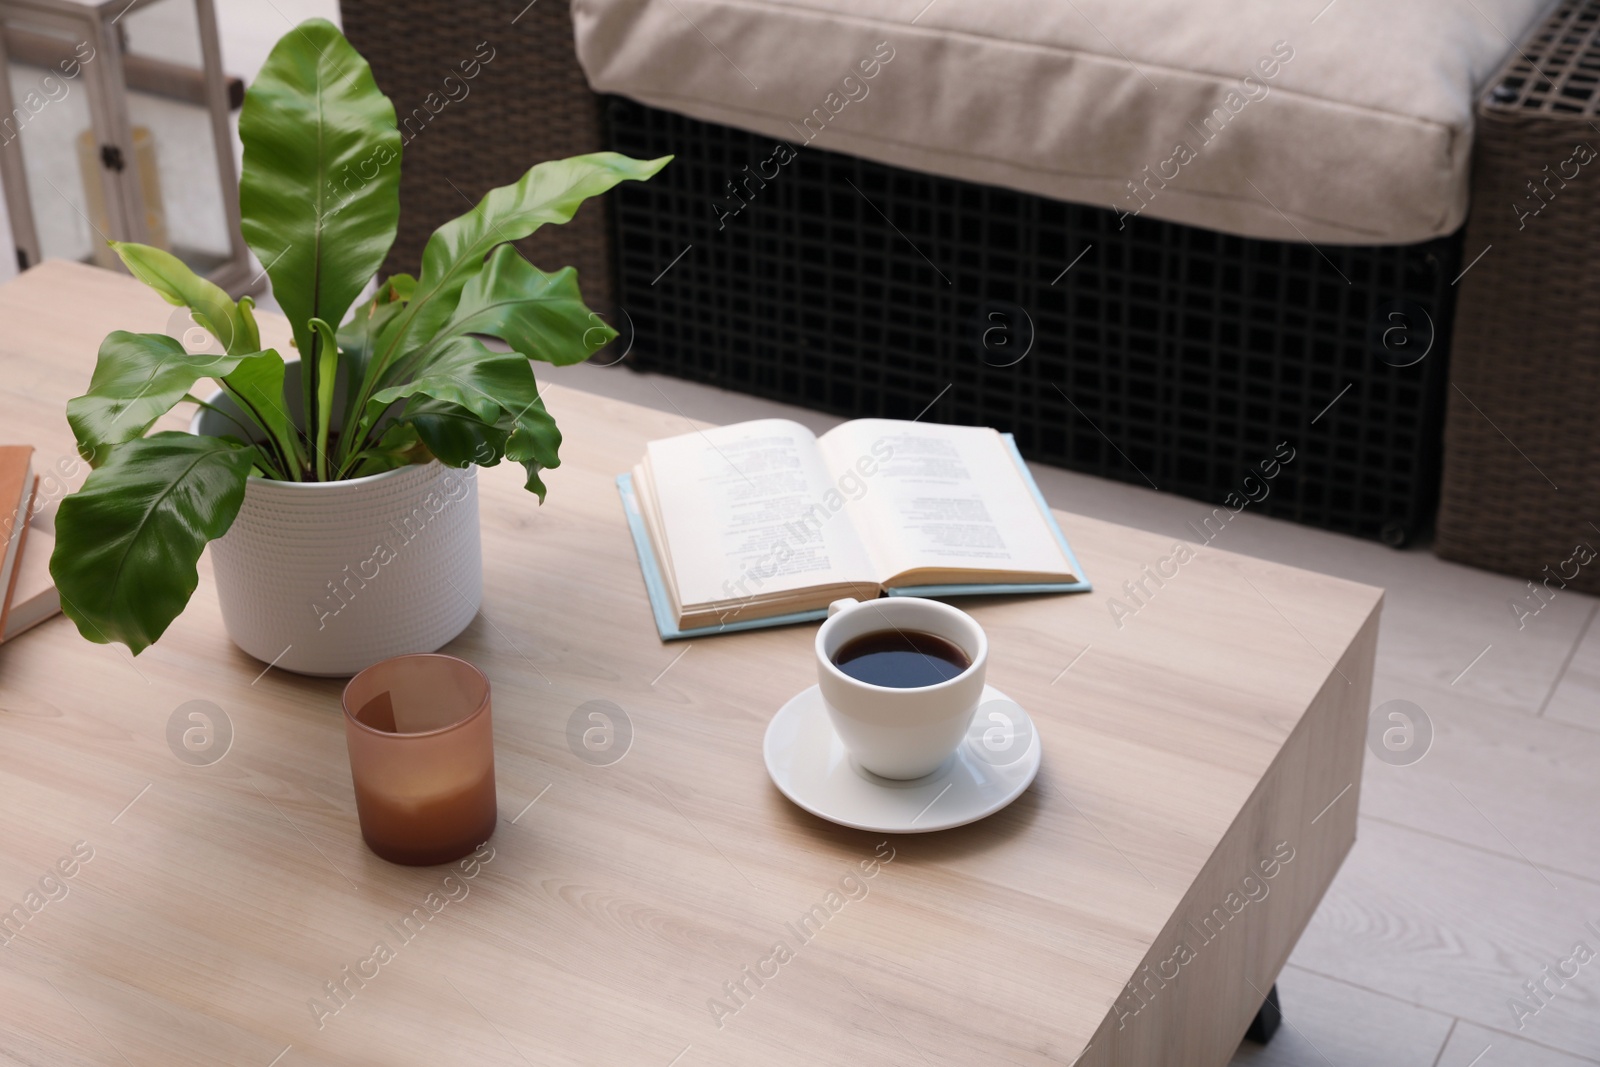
{"x": 261, "y": 424}
{"x": 355, "y": 462}
{"x": 308, "y": 390}
{"x": 327, "y": 378}
{"x": 245, "y": 434}
{"x": 350, "y": 462}
{"x": 287, "y": 446}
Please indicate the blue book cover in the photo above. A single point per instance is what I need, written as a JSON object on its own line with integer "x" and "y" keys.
{"x": 666, "y": 623}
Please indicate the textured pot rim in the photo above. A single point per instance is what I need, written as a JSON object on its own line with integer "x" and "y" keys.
{"x": 256, "y": 479}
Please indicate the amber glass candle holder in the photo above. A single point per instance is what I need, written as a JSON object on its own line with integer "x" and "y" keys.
{"x": 422, "y": 756}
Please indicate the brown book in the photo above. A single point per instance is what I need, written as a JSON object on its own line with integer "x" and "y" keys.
{"x": 32, "y": 596}
{"x": 16, "y": 499}
{"x": 16, "y": 560}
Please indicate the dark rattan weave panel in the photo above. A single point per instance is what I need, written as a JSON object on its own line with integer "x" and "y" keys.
{"x": 527, "y": 103}
{"x": 1521, "y": 485}
{"x": 1166, "y": 354}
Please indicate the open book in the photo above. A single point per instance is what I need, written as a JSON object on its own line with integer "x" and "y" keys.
{"x": 763, "y": 523}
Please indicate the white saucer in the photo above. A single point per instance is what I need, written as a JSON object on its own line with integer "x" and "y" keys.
{"x": 990, "y": 769}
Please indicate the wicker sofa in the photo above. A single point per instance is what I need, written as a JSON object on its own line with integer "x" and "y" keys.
{"x": 1521, "y": 491}
{"x": 528, "y": 101}
{"x": 1172, "y": 353}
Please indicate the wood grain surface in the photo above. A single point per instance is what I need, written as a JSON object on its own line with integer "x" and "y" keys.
{"x": 220, "y": 905}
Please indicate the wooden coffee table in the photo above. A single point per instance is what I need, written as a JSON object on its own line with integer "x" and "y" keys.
{"x": 1202, "y": 766}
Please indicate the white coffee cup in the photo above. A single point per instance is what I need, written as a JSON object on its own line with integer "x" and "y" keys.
{"x": 900, "y": 733}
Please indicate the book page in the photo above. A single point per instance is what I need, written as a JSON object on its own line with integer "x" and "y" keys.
{"x": 745, "y": 513}
{"x": 945, "y": 501}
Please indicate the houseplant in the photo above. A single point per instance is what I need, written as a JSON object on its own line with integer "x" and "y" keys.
{"x": 399, "y": 396}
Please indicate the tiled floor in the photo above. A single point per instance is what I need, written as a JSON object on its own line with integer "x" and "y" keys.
{"x": 1476, "y": 867}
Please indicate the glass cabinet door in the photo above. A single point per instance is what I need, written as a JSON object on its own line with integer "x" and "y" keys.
{"x": 114, "y": 125}
{"x": 181, "y": 201}
{"x": 49, "y": 153}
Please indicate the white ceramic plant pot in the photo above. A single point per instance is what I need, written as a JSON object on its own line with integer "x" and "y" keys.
{"x": 328, "y": 578}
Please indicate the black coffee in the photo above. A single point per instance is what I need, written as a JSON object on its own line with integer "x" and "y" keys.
{"x": 901, "y": 659}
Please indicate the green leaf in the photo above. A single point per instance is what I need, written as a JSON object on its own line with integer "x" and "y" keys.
{"x": 359, "y": 336}
{"x": 128, "y": 540}
{"x": 524, "y": 432}
{"x": 400, "y": 445}
{"x": 464, "y": 373}
{"x": 231, "y": 324}
{"x": 550, "y": 192}
{"x": 454, "y": 435}
{"x": 534, "y": 442}
{"x": 457, "y": 438}
{"x": 540, "y": 315}
{"x": 459, "y": 434}
{"x": 319, "y": 193}
{"x": 138, "y": 377}
{"x": 397, "y": 287}
{"x": 256, "y": 384}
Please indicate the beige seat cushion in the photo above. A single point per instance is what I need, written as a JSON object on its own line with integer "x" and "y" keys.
{"x": 1346, "y": 123}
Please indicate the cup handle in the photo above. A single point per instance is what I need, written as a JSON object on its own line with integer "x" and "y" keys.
{"x": 840, "y": 605}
